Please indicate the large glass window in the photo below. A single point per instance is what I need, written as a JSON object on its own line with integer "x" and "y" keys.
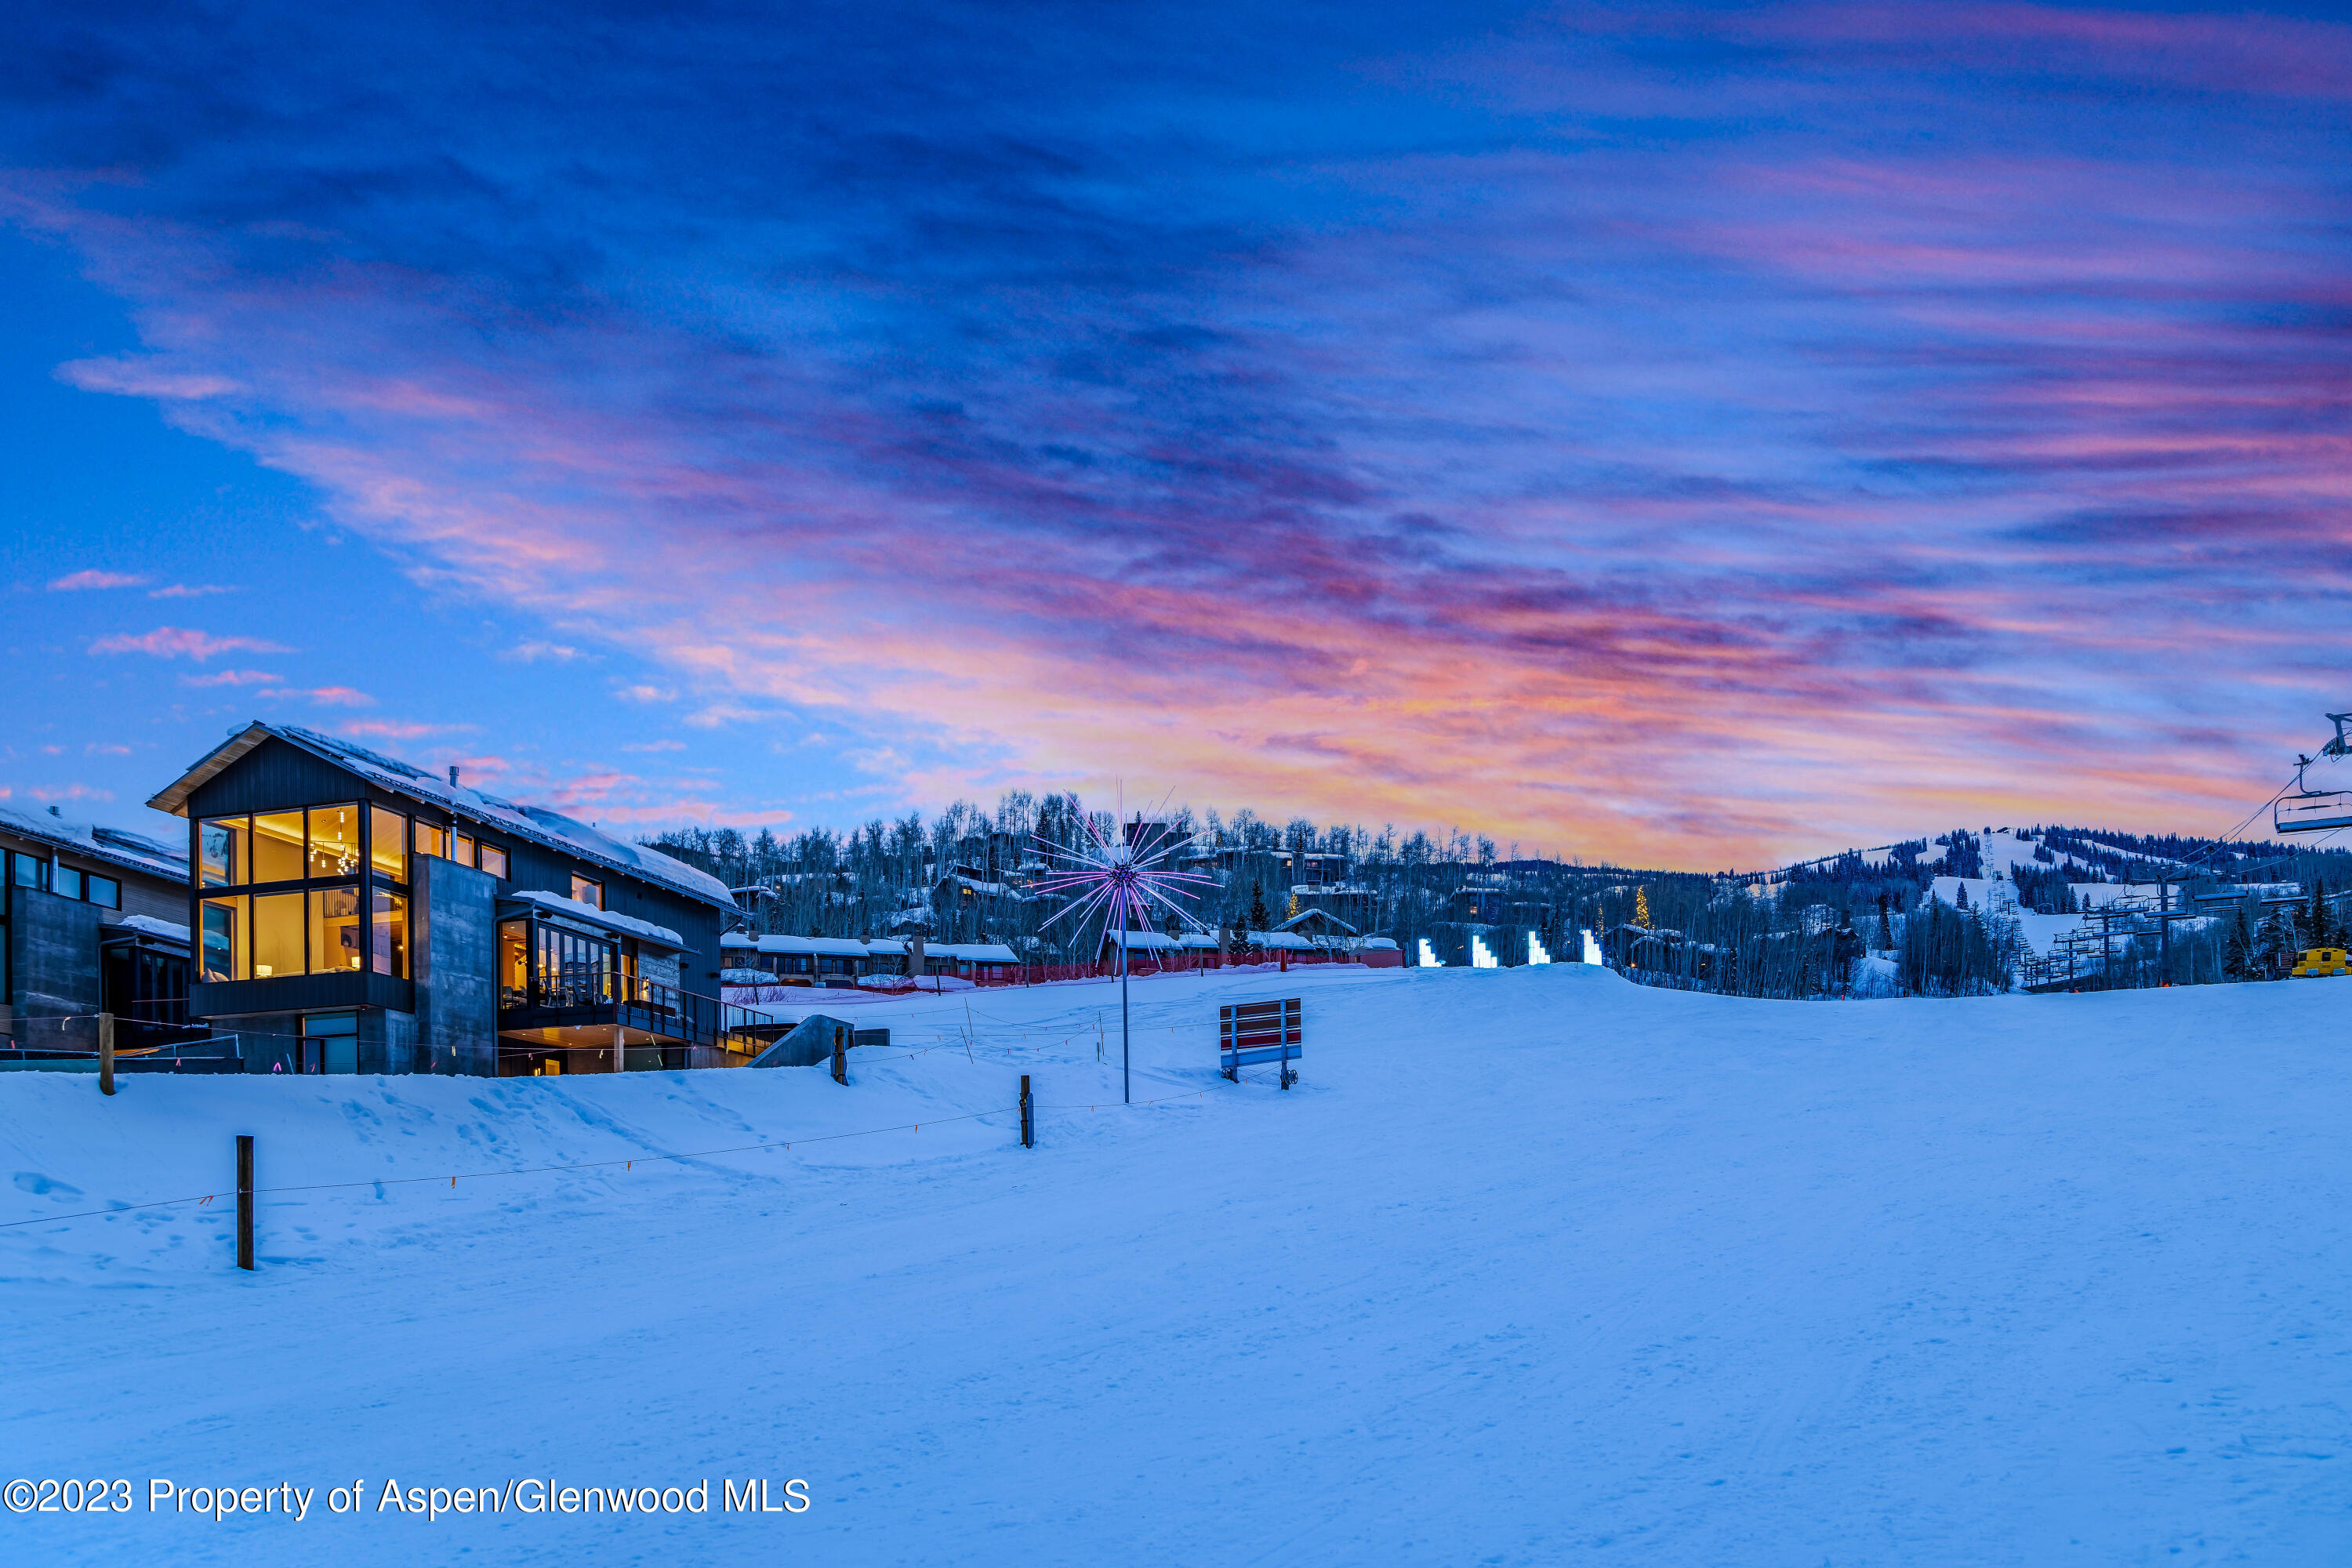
{"x": 388, "y": 843}
{"x": 514, "y": 963}
{"x": 432, "y": 840}
{"x": 220, "y": 851}
{"x": 335, "y": 931}
{"x": 588, "y": 892}
{"x": 575, "y": 971}
{"x": 69, "y": 882}
{"x": 494, "y": 861}
{"x": 391, "y": 934}
{"x": 277, "y": 934}
{"x": 461, "y": 849}
{"x": 334, "y": 840}
{"x": 103, "y": 890}
{"x": 31, "y": 871}
{"x": 277, "y": 846}
{"x": 224, "y": 955}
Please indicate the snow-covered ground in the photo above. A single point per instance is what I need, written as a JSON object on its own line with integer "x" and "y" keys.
{"x": 2002, "y": 852}
{"x": 1533, "y": 1266}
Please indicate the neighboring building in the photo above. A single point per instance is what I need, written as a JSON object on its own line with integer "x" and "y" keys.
{"x": 1321, "y": 923}
{"x": 356, "y": 914}
{"x": 92, "y": 919}
{"x": 844, "y": 960}
{"x": 965, "y": 909}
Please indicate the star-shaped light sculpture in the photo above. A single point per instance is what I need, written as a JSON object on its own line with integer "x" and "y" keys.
{"x": 1124, "y": 886}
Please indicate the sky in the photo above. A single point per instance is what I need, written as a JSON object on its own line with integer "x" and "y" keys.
{"x": 1690, "y": 435}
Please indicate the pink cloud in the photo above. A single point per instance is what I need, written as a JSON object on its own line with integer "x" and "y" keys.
{"x": 324, "y": 696}
{"x": 178, "y": 642}
{"x": 189, "y": 590}
{"x": 79, "y": 581}
{"x": 394, "y": 729}
{"x": 233, "y": 677}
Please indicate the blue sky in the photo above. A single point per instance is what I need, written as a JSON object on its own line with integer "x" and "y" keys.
{"x": 1692, "y": 435}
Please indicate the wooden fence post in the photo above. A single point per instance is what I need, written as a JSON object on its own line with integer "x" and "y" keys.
{"x": 244, "y": 1200}
{"x": 1028, "y": 1123}
{"x": 106, "y": 1053}
{"x": 840, "y": 1059}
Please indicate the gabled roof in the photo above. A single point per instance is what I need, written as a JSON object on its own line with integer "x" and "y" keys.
{"x": 551, "y": 830}
{"x": 1309, "y": 917}
{"x": 132, "y": 851}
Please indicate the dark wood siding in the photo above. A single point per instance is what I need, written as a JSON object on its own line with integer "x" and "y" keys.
{"x": 275, "y": 777}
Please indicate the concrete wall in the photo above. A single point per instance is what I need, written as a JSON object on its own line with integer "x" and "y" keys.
{"x": 456, "y": 1026}
{"x": 53, "y": 969}
{"x": 266, "y": 1041}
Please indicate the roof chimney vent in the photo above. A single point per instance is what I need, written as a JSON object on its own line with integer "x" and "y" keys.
{"x": 54, "y": 812}
{"x": 453, "y": 775}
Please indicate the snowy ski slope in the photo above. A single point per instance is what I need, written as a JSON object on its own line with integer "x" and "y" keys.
{"x": 1535, "y": 1266}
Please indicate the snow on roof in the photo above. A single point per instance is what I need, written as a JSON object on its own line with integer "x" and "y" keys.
{"x": 628, "y": 925}
{"x": 551, "y": 830}
{"x": 148, "y": 925}
{"x": 132, "y": 851}
{"x": 832, "y": 946}
{"x": 975, "y": 951}
{"x": 1281, "y": 939}
{"x": 1139, "y": 940}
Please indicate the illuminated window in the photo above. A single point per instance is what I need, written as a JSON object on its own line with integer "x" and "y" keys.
{"x": 514, "y": 963}
{"x": 588, "y": 892}
{"x": 391, "y": 920}
{"x": 432, "y": 840}
{"x": 220, "y": 851}
{"x": 494, "y": 861}
{"x": 277, "y": 846}
{"x": 335, "y": 931}
{"x": 224, "y": 955}
{"x": 334, "y": 840}
{"x": 276, "y": 935}
{"x": 461, "y": 850}
{"x": 388, "y": 843}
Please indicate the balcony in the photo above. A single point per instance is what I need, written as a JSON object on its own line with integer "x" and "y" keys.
{"x": 594, "y": 1017}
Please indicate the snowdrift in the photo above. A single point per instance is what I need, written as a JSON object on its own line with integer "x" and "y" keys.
{"x": 1533, "y": 1264}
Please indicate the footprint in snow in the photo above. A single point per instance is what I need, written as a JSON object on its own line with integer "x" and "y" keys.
{"x": 38, "y": 1184}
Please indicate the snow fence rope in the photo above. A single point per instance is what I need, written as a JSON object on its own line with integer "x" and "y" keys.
{"x": 626, "y": 1161}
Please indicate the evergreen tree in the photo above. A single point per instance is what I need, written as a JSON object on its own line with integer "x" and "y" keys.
{"x": 1641, "y": 908}
{"x": 1258, "y": 919}
{"x": 1886, "y": 927}
{"x": 2319, "y": 930}
{"x": 2238, "y": 951}
{"x": 1964, "y": 895}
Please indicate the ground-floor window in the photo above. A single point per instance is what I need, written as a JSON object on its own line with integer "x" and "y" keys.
{"x": 330, "y": 1043}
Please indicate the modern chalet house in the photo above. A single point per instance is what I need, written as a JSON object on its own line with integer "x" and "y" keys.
{"x": 356, "y": 914}
{"x": 92, "y": 919}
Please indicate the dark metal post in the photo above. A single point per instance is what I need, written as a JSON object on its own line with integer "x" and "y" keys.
{"x": 106, "y": 1053}
{"x": 840, "y": 1059}
{"x": 244, "y": 1200}
{"x": 2163, "y": 932}
{"x": 1028, "y": 1121}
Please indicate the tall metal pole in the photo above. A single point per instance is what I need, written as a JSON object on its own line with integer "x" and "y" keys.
{"x": 1125, "y": 1094}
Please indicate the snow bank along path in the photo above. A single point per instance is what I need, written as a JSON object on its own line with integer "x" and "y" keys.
{"x": 1533, "y": 1266}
